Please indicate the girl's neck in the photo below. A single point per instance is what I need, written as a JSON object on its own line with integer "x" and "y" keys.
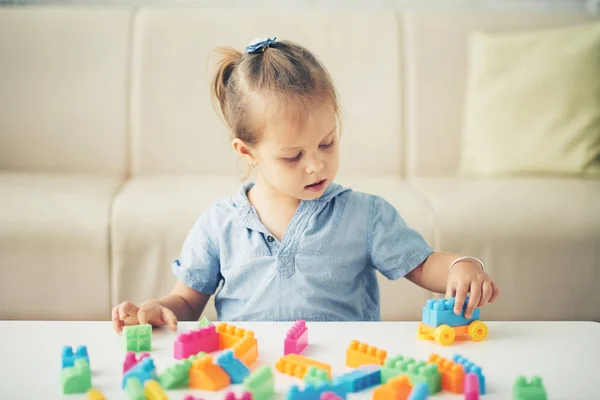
{"x": 263, "y": 193}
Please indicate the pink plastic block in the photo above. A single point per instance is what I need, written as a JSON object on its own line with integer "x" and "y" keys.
{"x": 131, "y": 360}
{"x": 471, "y": 387}
{"x": 296, "y": 339}
{"x": 190, "y": 397}
{"x": 245, "y": 396}
{"x": 329, "y": 396}
{"x": 189, "y": 343}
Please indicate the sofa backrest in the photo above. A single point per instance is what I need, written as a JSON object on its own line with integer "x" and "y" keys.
{"x": 64, "y": 89}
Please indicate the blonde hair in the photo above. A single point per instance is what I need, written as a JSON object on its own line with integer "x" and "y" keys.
{"x": 249, "y": 88}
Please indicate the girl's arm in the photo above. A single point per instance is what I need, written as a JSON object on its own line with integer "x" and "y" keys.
{"x": 186, "y": 303}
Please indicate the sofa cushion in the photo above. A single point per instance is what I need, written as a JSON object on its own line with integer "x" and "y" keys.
{"x": 54, "y": 248}
{"x": 153, "y": 215}
{"x": 538, "y": 239}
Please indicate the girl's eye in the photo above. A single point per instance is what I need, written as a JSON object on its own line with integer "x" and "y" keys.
{"x": 328, "y": 145}
{"x": 293, "y": 159}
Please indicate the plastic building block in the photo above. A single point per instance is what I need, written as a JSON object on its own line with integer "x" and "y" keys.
{"x": 471, "y": 387}
{"x": 134, "y": 389}
{"x": 441, "y": 311}
{"x": 236, "y": 370}
{"x": 315, "y": 392}
{"x": 177, "y": 375}
{"x": 533, "y": 390}
{"x": 153, "y": 391}
{"x": 204, "y": 322}
{"x": 137, "y": 338}
{"x": 195, "y": 341}
{"x": 296, "y": 338}
{"x": 191, "y": 397}
{"x": 131, "y": 360}
{"x": 246, "y": 350}
{"x": 261, "y": 383}
{"x": 76, "y": 379}
{"x": 143, "y": 371}
{"x": 360, "y": 379}
{"x": 395, "y": 389}
{"x": 359, "y": 354}
{"x": 419, "y": 392}
{"x": 296, "y": 365}
{"x": 453, "y": 374}
{"x": 95, "y": 394}
{"x": 230, "y": 335}
{"x": 417, "y": 371}
{"x": 471, "y": 368}
{"x": 205, "y": 375}
{"x": 68, "y": 357}
{"x": 314, "y": 376}
{"x": 245, "y": 396}
{"x": 329, "y": 396}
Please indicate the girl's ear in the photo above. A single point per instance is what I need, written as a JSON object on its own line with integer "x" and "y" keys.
{"x": 244, "y": 151}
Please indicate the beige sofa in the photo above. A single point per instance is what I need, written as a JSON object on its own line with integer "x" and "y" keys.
{"x": 109, "y": 150}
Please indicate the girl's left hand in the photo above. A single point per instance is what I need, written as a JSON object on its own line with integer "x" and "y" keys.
{"x": 467, "y": 277}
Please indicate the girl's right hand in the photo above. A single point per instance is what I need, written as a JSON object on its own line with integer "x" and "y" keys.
{"x": 150, "y": 312}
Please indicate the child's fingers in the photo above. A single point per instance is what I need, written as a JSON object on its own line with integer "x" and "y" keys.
{"x": 461, "y": 294}
{"x": 495, "y": 292}
{"x": 126, "y": 308}
{"x": 449, "y": 290}
{"x": 169, "y": 317}
{"x": 147, "y": 315}
{"x": 473, "y": 299}
{"x": 486, "y": 293}
{"x": 117, "y": 323}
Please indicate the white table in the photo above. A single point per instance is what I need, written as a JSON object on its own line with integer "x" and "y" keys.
{"x": 565, "y": 354}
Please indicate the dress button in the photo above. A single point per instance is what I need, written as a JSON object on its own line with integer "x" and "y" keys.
{"x": 270, "y": 239}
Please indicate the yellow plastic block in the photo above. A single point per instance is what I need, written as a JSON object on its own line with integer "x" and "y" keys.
{"x": 154, "y": 391}
{"x": 296, "y": 365}
{"x": 229, "y": 335}
{"x": 246, "y": 350}
{"x": 359, "y": 354}
{"x": 95, "y": 394}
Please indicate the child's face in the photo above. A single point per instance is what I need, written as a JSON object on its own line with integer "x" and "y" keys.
{"x": 300, "y": 163}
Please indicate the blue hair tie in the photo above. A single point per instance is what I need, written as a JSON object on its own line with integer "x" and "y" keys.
{"x": 259, "y": 45}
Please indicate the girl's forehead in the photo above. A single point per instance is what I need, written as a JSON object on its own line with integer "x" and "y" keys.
{"x": 295, "y": 126}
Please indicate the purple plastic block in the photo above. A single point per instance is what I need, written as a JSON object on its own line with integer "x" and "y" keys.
{"x": 131, "y": 360}
{"x": 193, "y": 342}
{"x": 471, "y": 387}
{"x": 296, "y": 339}
{"x": 245, "y": 396}
{"x": 329, "y": 396}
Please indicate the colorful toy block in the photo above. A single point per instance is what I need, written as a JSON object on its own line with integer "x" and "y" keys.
{"x": 143, "y": 371}
{"x": 296, "y": 365}
{"x": 76, "y": 379}
{"x": 329, "y": 396}
{"x": 359, "y": 354}
{"x": 154, "y": 391}
{"x": 195, "y": 341}
{"x": 205, "y": 375}
{"x": 419, "y": 392}
{"x": 261, "y": 383}
{"x": 246, "y": 350}
{"x": 453, "y": 374}
{"x": 471, "y": 387}
{"x": 417, "y": 371}
{"x": 204, "y": 322}
{"x": 314, "y": 376}
{"x": 471, "y": 368}
{"x": 533, "y": 390}
{"x": 191, "y": 397}
{"x": 314, "y": 392}
{"x": 360, "y": 379}
{"x": 236, "y": 370}
{"x": 177, "y": 375}
{"x": 137, "y": 338}
{"x": 95, "y": 394}
{"x": 441, "y": 311}
{"x": 134, "y": 389}
{"x": 296, "y": 338}
{"x": 229, "y": 335}
{"x": 68, "y": 357}
{"x": 245, "y": 396}
{"x": 397, "y": 388}
{"x": 131, "y": 360}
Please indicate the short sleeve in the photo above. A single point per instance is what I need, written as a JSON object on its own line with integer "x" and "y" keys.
{"x": 199, "y": 265}
{"x": 396, "y": 249}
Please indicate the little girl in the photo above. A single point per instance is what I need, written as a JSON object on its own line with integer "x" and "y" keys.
{"x": 294, "y": 244}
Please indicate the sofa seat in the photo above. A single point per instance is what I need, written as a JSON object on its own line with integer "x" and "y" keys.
{"x": 539, "y": 239}
{"x": 152, "y": 216}
{"x": 54, "y": 233}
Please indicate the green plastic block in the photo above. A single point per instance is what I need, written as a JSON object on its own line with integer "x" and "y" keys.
{"x": 417, "y": 372}
{"x": 134, "y": 389}
{"x": 204, "y": 322}
{"x": 260, "y": 383}
{"x": 137, "y": 338}
{"x": 178, "y": 375}
{"x": 316, "y": 376}
{"x": 533, "y": 390}
{"x": 76, "y": 379}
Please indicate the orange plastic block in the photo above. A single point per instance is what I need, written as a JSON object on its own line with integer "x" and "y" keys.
{"x": 359, "y": 354}
{"x": 154, "y": 391}
{"x": 246, "y": 350}
{"x": 453, "y": 374}
{"x": 296, "y": 365}
{"x": 229, "y": 335}
{"x": 205, "y": 375}
{"x": 397, "y": 388}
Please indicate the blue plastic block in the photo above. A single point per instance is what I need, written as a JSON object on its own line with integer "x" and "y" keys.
{"x": 68, "y": 358}
{"x": 419, "y": 392}
{"x": 441, "y": 311}
{"x": 143, "y": 370}
{"x": 360, "y": 379}
{"x": 471, "y": 368}
{"x": 236, "y": 370}
{"x": 314, "y": 392}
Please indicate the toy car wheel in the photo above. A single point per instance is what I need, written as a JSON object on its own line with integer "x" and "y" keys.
{"x": 478, "y": 330}
{"x": 444, "y": 335}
